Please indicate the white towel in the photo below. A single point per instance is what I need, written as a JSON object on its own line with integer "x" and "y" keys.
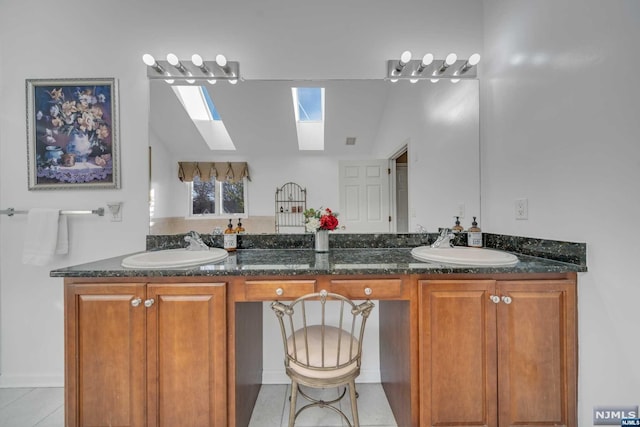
{"x": 47, "y": 234}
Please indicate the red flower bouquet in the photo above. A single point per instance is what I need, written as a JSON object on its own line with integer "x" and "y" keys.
{"x": 320, "y": 219}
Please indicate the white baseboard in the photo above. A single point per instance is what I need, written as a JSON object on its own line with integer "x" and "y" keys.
{"x": 31, "y": 381}
{"x": 280, "y": 377}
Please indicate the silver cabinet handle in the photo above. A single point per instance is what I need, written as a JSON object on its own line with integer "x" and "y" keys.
{"x": 279, "y": 292}
{"x": 368, "y": 291}
{"x": 136, "y": 302}
{"x": 506, "y": 300}
{"x": 148, "y": 303}
{"x": 495, "y": 299}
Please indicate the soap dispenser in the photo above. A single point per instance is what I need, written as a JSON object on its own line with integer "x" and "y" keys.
{"x": 474, "y": 235}
{"x": 230, "y": 238}
{"x": 239, "y": 228}
{"x": 457, "y": 228}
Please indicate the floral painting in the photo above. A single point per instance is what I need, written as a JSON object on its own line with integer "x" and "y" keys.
{"x": 72, "y": 134}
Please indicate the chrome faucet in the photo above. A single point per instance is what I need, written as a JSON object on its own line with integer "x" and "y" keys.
{"x": 444, "y": 240}
{"x": 195, "y": 242}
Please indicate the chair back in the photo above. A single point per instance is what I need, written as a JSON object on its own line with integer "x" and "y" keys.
{"x": 322, "y": 332}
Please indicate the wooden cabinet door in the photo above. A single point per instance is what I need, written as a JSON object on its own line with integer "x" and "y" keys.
{"x": 537, "y": 359}
{"x": 104, "y": 355}
{"x": 458, "y": 348}
{"x": 186, "y": 355}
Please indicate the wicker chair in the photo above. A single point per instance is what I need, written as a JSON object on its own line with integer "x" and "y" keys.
{"x": 322, "y": 353}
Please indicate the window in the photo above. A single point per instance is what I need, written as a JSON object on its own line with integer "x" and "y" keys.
{"x": 310, "y": 104}
{"x": 217, "y": 198}
{"x": 308, "y": 107}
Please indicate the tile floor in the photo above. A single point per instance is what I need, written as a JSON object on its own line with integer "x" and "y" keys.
{"x": 30, "y": 407}
{"x": 43, "y": 407}
{"x": 272, "y": 408}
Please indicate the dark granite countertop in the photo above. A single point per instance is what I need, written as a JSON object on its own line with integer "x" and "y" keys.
{"x": 365, "y": 260}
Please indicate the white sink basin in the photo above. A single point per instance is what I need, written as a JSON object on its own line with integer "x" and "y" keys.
{"x": 172, "y": 258}
{"x": 465, "y": 256}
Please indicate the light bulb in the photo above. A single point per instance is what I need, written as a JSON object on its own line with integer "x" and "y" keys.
{"x": 413, "y": 80}
{"x": 190, "y": 81}
{"x": 169, "y": 81}
{"x": 172, "y": 59}
{"x": 212, "y": 81}
{"x": 197, "y": 60}
{"x": 451, "y": 59}
{"x": 405, "y": 57}
{"x": 393, "y": 80}
{"x": 427, "y": 59}
{"x": 455, "y": 80}
{"x": 474, "y": 59}
{"x": 221, "y": 60}
{"x": 148, "y": 59}
{"x": 233, "y": 81}
{"x": 435, "y": 80}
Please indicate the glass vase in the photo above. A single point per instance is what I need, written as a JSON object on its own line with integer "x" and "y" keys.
{"x": 322, "y": 241}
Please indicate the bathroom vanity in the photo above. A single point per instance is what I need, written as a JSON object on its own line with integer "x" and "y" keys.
{"x": 459, "y": 345}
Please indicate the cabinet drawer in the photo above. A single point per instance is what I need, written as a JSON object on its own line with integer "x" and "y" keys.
{"x": 368, "y": 288}
{"x": 266, "y": 290}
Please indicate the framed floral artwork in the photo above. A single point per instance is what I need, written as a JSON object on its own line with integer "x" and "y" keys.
{"x": 72, "y": 133}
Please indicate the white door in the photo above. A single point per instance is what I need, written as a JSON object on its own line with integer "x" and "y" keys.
{"x": 364, "y": 196}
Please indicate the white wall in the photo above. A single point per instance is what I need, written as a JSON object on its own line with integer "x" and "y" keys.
{"x": 31, "y": 339}
{"x": 75, "y": 38}
{"x": 560, "y": 126}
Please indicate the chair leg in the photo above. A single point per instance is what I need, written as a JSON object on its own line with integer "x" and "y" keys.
{"x": 292, "y": 403}
{"x": 354, "y": 404}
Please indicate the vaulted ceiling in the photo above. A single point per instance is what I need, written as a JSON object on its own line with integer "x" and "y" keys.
{"x": 259, "y": 117}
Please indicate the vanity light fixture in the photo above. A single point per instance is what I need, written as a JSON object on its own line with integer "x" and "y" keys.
{"x": 221, "y": 60}
{"x": 172, "y": 59}
{"x": 405, "y": 58}
{"x": 150, "y": 61}
{"x": 426, "y": 61}
{"x": 196, "y": 70}
{"x": 469, "y": 63}
{"x": 199, "y": 62}
{"x": 429, "y": 67}
{"x": 449, "y": 61}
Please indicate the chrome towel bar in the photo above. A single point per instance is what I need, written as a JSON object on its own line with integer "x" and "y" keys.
{"x": 12, "y": 212}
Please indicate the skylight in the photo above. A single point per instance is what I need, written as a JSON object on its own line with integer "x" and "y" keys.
{"x": 308, "y": 105}
{"x": 193, "y": 100}
{"x": 310, "y": 102}
{"x": 212, "y": 108}
{"x": 202, "y": 111}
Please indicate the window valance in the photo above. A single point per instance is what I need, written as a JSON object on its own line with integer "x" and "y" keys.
{"x": 221, "y": 171}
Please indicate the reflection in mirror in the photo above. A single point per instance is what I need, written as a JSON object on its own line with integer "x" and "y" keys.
{"x": 364, "y": 120}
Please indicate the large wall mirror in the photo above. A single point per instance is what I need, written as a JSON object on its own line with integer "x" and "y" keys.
{"x": 437, "y": 124}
